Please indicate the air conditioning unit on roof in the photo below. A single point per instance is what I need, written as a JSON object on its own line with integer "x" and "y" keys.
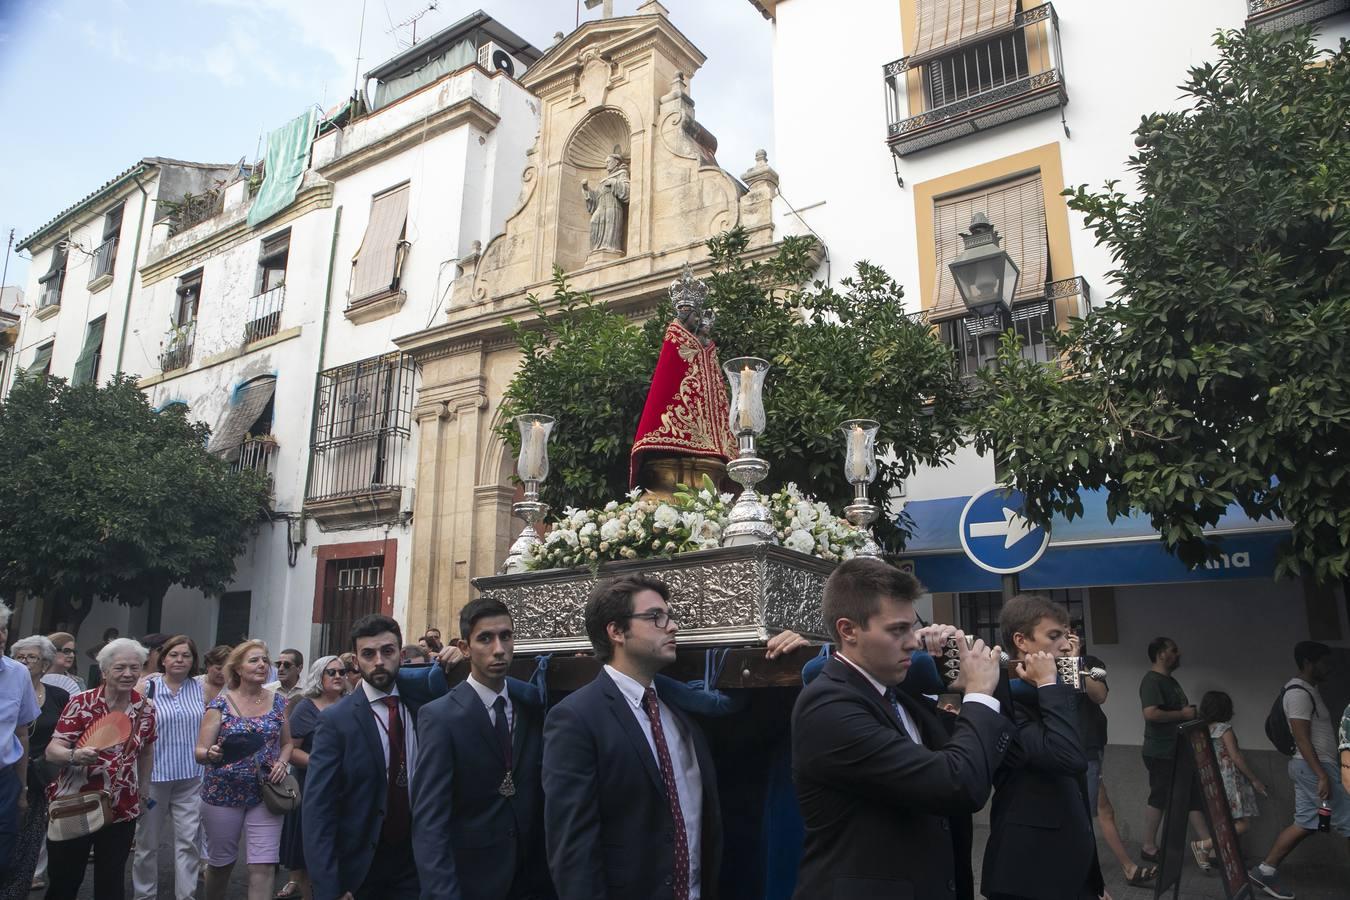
{"x": 495, "y": 58}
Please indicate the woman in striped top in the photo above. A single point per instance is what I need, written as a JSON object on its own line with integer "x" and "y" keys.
{"x": 175, "y": 780}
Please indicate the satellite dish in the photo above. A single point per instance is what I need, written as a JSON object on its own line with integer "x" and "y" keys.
{"x": 502, "y": 62}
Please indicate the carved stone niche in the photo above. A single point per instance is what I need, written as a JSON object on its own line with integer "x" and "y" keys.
{"x": 725, "y": 596}
{"x": 588, "y": 150}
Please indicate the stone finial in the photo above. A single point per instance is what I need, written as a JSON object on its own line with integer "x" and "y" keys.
{"x": 653, "y": 8}
{"x": 761, "y": 172}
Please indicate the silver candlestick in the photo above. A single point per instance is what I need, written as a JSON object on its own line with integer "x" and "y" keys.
{"x": 860, "y": 468}
{"x": 750, "y": 522}
{"x": 532, "y": 467}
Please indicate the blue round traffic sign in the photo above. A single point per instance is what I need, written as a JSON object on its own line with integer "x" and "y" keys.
{"x": 995, "y": 534}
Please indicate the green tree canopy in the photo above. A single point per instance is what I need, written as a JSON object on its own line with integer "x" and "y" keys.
{"x": 835, "y": 355}
{"x": 106, "y": 498}
{"x": 1219, "y": 375}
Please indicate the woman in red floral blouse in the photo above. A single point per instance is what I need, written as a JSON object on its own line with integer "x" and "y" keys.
{"x": 121, "y": 770}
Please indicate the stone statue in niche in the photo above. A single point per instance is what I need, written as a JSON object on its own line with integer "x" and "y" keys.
{"x": 608, "y": 206}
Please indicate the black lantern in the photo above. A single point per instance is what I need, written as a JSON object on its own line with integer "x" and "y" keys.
{"x": 987, "y": 277}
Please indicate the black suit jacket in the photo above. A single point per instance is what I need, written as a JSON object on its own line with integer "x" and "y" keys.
{"x": 1040, "y": 830}
{"x": 346, "y": 789}
{"x": 608, "y": 825}
{"x": 882, "y": 812}
{"x": 470, "y": 842}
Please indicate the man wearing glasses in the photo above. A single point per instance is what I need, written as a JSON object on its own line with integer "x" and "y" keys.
{"x": 290, "y": 663}
{"x": 630, "y": 794}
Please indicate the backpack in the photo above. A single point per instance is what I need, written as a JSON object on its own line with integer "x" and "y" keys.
{"x": 1277, "y": 723}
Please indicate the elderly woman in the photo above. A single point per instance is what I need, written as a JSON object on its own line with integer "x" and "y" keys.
{"x": 244, "y": 738}
{"x": 325, "y": 685}
{"x": 122, "y": 771}
{"x": 62, "y": 673}
{"x": 36, "y": 653}
{"x": 176, "y": 779}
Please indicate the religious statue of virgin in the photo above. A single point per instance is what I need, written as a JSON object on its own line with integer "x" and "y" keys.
{"x": 608, "y": 206}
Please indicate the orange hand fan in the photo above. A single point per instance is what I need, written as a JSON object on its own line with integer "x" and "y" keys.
{"x": 108, "y": 730}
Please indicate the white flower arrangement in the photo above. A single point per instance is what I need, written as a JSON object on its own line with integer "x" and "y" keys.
{"x": 642, "y": 528}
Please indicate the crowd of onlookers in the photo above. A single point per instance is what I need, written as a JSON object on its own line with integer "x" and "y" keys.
{"x": 160, "y": 743}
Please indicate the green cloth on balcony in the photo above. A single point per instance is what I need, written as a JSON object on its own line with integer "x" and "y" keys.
{"x": 42, "y": 361}
{"x": 87, "y": 364}
{"x": 284, "y": 167}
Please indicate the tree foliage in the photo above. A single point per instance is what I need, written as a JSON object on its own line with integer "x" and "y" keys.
{"x": 106, "y": 498}
{"x": 835, "y": 355}
{"x": 1219, "y": 375}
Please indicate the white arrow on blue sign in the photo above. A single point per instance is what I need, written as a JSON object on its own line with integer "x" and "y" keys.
{"x": 995, "y": 534}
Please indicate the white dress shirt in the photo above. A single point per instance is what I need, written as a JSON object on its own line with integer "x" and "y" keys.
{"x": 911, "y": 728}
{"x": 378, "y": 707}
{"x": 489, "y": 698}
{"x": 683, "y": 759}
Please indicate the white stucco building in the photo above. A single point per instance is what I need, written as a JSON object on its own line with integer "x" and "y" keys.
{"x": 279, "y": 332}
{"x": 893, "y": 124}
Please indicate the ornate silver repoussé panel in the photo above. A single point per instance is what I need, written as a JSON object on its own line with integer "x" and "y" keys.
{"x": 728, "y": 595}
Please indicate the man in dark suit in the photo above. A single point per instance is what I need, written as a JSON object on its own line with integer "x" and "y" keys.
{"x": 1040, "y": 826}
{"x": 884, "y": 789}
{"x": 630, "y": 793}
{"x": 357, "y": 814}
{"x": 477, "y": 798}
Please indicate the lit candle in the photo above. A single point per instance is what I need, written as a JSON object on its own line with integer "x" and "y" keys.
{"x": 747, "y": 398}
{"x": 857, "y": 444}
{"x": 532, "y": 453}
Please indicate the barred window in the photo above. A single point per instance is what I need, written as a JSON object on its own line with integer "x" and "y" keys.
{"x": 362, "y": 424}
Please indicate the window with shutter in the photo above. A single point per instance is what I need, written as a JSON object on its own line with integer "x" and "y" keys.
{"x": 52, "y": 282}
{"x": 945, "y": 25}
{"x": 86, "y": 366}
{"x": 41, "y": 365}
{"x": 249, "y": 413}
{"x": 378, "y": 262}
{"x": 1016, "y": 208}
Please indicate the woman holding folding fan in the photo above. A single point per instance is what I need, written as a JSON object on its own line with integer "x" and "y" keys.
{"x": 103, "y": 747}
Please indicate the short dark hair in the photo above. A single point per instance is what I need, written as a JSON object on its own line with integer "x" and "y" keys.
{"x": 299, "y": 657}
{"x": 174, "y": 642}
{"x": 611, "y": 600}
{"x": 1306, "y": 652}
{"x": 479, "y": 608}
{"x": 217, "y": 655}
{"x": 415, "y": 651}
{"x": 1158, "y": 645}
{"x": 1216, "y": 706}
{"x": 854, "y": 591}
{"x": 373, "y": 624}
{"x": 1021, "y": 613}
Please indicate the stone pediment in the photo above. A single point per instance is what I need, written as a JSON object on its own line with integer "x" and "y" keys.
{"x": 615, "y": 102}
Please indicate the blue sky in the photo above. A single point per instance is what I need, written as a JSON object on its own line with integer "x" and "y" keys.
{"x": 87, "y": 87}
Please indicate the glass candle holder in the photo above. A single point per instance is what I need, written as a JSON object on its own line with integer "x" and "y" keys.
{"x": 535, "y": 428}
{"x": 860, "y": 450}
{"x": 746, "y": 375}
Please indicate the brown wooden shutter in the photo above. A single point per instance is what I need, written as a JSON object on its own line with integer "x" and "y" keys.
{"x": 944, "y": 25}
{"x": 1017, "y": 210}
{"x": 234, "y": 426}
{"x": 374, "y": 266}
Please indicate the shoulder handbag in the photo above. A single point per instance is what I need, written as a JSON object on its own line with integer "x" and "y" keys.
{"x": 282, "y": 797}
{"x": 77, "y": 815}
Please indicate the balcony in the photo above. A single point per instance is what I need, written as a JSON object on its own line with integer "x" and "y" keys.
{"x": 1277, "y": 15}
{"x": 256, "y": 453}
{"x": 976, "y": 86}
{"x": 49, "y": 301}
{"x": 264, "y": 314}
{"x": 1034, "y": 320}
{"x": 101, "y": 272}
{"x": 177, "y": 353}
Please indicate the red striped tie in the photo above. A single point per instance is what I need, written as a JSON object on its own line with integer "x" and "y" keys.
{"x": 672, "y": 795}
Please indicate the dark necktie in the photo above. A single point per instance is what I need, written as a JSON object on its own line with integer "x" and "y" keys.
{"x": 894, "y": 701}
{"x": 397, "y": 817}
{"x": 503, "y": 730}
{"x": 653, "y": 710}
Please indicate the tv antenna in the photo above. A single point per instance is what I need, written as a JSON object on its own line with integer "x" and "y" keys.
{"x": 411, "y": 22}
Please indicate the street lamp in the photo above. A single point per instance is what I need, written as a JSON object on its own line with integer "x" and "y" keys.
{"x": 987, "y": 277}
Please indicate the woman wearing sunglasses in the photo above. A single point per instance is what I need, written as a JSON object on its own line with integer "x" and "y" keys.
{"x": 325, "y": 685}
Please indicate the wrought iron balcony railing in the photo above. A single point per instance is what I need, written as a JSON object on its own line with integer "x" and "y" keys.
{"x": 177, "y": 353}
{"x": 256, "y": 453}
{"x": 1277, "y": 15}
{"x": 977, "y": 85}
{"x": 1033, "y": 320}
{"x": 104, "y": 259}
{"x": 50, "y": 296}
{"x": 264, "y": 314}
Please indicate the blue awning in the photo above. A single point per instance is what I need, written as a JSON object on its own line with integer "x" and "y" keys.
{"x": 1090, "y": 550}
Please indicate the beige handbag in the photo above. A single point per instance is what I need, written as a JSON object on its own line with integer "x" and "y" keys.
{"x": 78, "y": 815}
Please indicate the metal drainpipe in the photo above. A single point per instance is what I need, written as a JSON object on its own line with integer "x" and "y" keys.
{"x": 131, "y": 282}
{"x": 323, "y": 343}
